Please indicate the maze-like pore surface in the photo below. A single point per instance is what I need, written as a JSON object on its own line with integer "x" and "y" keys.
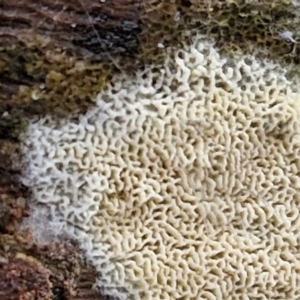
{"x": 183, "y": 182}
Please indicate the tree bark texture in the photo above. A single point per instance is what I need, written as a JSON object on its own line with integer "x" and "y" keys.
{"x": 85, "y": 26}
{"x": 48, "y": 50}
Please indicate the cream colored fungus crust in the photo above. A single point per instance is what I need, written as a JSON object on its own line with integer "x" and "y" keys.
{"x": 182, "y": 182}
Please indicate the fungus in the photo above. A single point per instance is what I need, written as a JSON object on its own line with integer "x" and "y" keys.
{"x": 172, "y": 184}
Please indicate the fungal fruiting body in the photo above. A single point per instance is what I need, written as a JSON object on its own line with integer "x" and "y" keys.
{"x": 182, "y": 182}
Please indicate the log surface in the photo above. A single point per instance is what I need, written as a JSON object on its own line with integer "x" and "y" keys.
{"x": 46, "y": 45}
{"x": 81, "y": 25}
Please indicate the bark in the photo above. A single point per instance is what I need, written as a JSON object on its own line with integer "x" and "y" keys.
{"x": 48, "y": 47}
{"x": 51, "y": 272}
{"x": 85, "y": 26}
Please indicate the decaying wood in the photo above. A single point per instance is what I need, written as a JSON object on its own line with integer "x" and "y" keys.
{"x": 85, "y": 26}
{"x": 29, "y": 271}
{"x": 24, "y": 279}
{"x": 46, "y": 42}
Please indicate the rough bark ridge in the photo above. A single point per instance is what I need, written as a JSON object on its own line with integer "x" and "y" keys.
{"x": 80, "y": 25}
{"x": 46, "y": 42}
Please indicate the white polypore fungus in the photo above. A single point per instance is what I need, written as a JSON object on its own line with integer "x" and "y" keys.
{"x": 183, "y": 182}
